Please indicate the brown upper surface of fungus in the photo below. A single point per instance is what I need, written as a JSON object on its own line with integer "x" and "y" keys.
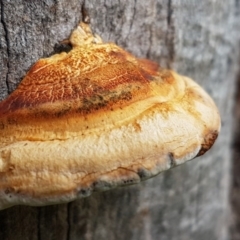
{"x": 96, "y": 118}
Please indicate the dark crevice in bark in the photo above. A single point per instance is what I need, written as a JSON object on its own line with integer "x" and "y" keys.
{"x": 170, "y": 35}
{"x": 235, "y": 181}
{"x": 85, "y": 15}
{"x": 148, "y": 55}
{"x": 7, "y": 41}
{"x": 170, "y": 11}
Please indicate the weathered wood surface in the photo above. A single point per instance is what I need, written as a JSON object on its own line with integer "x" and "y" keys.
{"x": 197, "y": 38}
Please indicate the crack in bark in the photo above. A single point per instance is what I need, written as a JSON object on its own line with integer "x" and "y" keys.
{"x": 148, "y": 54}
{"x": 170, "y": 11}
{"x": 7, "y": 42}
{"x": 85, "y": 15}
{"x": 170, "y": 35}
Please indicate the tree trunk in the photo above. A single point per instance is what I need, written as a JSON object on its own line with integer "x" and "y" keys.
{"x": 196, "y": 38}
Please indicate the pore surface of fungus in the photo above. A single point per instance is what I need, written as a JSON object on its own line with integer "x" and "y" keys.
{"x": 96, "y": 118}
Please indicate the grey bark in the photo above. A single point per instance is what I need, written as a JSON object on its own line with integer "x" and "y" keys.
{"x": 197, "y": 38}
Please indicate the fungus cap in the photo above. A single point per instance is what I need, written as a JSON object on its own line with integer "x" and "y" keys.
{"x": 96, "y": 118}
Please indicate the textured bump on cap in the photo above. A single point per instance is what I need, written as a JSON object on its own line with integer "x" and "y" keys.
{"x": 96, "y": 118}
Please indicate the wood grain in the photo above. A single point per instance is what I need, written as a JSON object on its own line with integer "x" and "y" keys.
{"x": 196, "y": 38}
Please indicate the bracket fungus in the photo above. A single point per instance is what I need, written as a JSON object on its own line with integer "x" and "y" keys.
{"x": 96, "y": 118}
